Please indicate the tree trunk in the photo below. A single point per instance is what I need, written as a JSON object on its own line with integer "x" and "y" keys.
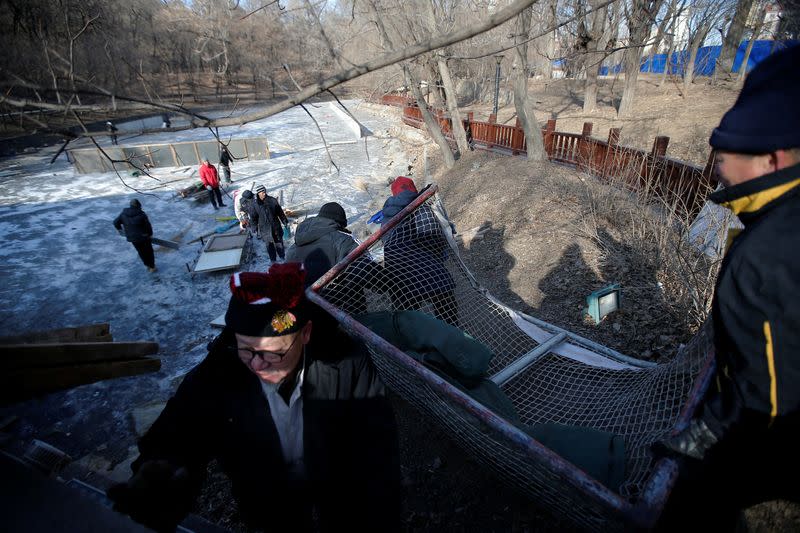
{"x": 452, "y": 106}
{"x": 433, "y": 85}
{"x": 668, "y": 62}
{"x": 694, "y": 45}
{"x": 746, "y": 58}
{"x": 733, "y": 37}
{"x": 595, "y": 56}
{"x": 533, "y": 133}
{"x": 641, "y": 19}
{"x": 688, "y": 73}
{"x": 430, "y": 122}
{"x": 656, "y": 44}
{"x": 548, "y": 42}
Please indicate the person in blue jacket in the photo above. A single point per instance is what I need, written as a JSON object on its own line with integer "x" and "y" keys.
{"x": 414, "y": 254}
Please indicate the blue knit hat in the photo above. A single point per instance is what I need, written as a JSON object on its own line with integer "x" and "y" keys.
{"x": 766, "y": 116}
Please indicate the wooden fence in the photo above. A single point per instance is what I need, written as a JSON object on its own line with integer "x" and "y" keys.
{"x": 606, "y": 160}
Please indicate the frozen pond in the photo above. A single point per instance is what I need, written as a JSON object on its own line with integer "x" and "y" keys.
{"x": 63, "y": 264}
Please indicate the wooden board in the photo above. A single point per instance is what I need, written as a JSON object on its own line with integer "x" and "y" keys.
{"x": 18, "y": 356}
{"x": 224, "y": 260}
{"x": 219, "y": 243}
{"x": 90, "y": 333}
{"x": 165, "y": 243}
{"x": 27, "y": 383}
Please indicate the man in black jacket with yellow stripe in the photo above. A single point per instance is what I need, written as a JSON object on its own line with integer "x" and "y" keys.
{"x": 743, "y": 446}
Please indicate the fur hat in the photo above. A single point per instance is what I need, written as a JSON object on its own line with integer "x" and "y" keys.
{"x": 268, "y": 304}
{"x": 402, "y": 183}
{"x": 335, "y": 212}
{"x": 766, "y": 113}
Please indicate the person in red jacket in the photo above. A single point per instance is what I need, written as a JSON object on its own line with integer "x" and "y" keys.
{"x": 210, "y": 179}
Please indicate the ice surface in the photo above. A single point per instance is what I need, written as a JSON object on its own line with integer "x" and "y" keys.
{"x": 62, "y": 263}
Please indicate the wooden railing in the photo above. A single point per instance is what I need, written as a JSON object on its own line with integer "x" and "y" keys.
{"x": 606, "y": 160}
{"x": 396, "y": 100}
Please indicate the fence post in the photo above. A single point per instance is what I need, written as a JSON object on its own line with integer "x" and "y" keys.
{"x": 549, "y": 129}
{"x": 610, "y": 163}
{"x": 491, "y": 131}
{"x": 583, "y": 147}
{"x": 660, "y": 146}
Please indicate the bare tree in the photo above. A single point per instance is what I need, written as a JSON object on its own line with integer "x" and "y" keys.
{"x": 730, "y": 44}
{"x": 759, "y": 24}
{"x": 597, "y": 33}
{"x": 703, "y": 16}
{"x": 440, "y": 18}
{"x": 533, "y": 133}
{"x": 678, "y": 7}
{"x": 640, "y": 16}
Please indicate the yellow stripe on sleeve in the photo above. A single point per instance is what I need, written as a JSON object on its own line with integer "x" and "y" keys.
{"x": 773, "y": 381}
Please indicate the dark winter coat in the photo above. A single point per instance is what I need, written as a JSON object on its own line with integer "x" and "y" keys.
{"x": 320, "y": 243}
{"x": 225, "y": 158}
{"x": 350, "y": 439}
{"x": 414, "y": 251}
{"x": 136, "y": 224}
{"x": 266, "y": 216}
{"x": 395, "y": 204}
{"x": 754, "y": 404}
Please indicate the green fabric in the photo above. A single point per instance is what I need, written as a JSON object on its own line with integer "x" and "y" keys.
{"x": 433, "y": 342}
{"x": 463, "y": 362}
{"x": 598, "y": 453}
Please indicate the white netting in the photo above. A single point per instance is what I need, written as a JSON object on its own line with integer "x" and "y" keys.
{"x": 415, "y": 266}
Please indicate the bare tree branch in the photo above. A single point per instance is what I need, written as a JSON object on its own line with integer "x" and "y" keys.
{"x": 538, "y": 35}
{"x": 342, "y": 76}
{"x": 324, "y": 142}
{"x": 264, "y": 7}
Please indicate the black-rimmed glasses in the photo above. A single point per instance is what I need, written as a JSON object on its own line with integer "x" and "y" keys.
{"x": 265, "y": 354}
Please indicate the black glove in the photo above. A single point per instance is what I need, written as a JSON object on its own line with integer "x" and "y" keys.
{"x": 693, "y": 442}
{"x": 158, "y": 495}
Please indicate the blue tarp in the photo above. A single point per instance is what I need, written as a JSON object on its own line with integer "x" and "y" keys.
{"x": 706, "y": 60}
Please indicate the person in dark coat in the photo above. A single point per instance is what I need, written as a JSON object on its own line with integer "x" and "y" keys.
{"x": 296, "y": 428}
{"x": 266, "y": 216}
{"x": 225, "y": 160}
{"x": 135, "y": 226}
{"x": 414, "y": 252}
{"x": 741, "y": 447}
{"x": 112, "y": 129}
{"x": 322, "y": 241}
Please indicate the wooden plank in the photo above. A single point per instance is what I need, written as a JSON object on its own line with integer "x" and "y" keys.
{"x": 90, "y": 333}
{"x": 17, "y": 356}
{"x": 28, "y": 383}
{"x": 165, "y": 243}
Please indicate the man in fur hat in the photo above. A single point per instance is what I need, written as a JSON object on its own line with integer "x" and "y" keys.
{"x": 295, "y": 425}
